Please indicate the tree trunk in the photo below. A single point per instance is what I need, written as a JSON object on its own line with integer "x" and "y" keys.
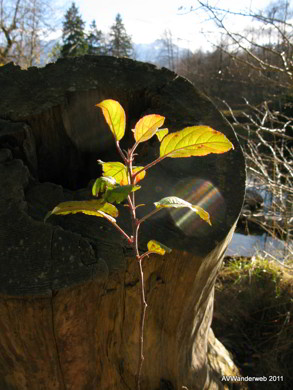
{"x": 70, "y": 301}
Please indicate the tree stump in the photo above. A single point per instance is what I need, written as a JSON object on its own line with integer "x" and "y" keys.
{"x": 70, "y": 302}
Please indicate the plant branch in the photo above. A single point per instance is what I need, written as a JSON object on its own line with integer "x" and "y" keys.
{"x": 146, "y": 254}
{"x": 156, "y": 161}
{"x": 148, "y": 215}
{"x": 135, "y": 229}
{"x": 134, "y": 147}
{"x": 120, "y": 152}
{"x": 142, "y": 321}
{"x": 129, "y": 239}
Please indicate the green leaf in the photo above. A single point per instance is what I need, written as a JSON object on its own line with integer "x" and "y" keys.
{"x": 173, "y": 201}
{"x": 115, "y": 117}
{"x": 194, "y": 141}
{"x": 115, "y": 169}
{"x": 147, "y": 126}
{"x": 157, "y": 247}
{"x": 118, "y": 171}
{"x": 119, "y": 193}
{"x": 102, "y": 184}
{"x": 161, "y": 134}
{"x": 94, "y": 207}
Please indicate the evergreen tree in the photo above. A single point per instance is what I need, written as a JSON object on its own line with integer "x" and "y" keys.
{"x": 95, "y": 40}
{"x": 120, "y": 44}
{"x": 73, "y": 36}
{"x": 55, "y": 53}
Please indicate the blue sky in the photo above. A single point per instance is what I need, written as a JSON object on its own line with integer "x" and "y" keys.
{"x": 146, "y": 20}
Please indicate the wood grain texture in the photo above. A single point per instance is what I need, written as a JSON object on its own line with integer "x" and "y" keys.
{"x": 86, "y": 337}
{"x": 29, "y": 359}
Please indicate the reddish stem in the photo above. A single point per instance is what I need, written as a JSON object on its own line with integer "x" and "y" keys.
{"x": 129, "y": 239}
{"x": 146, "y": 254}
{"x": 142, "y": 321}
{"x": 159, "y": 159}
{"x": 148, "y": 215}
{"x": 120, "y": 152}
{"x": 134, "y": 241}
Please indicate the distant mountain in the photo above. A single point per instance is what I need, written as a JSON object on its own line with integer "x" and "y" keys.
{"x": 47, "y": 47}
{"x": 158, "y": 53}
{"x": 155, "y": 52}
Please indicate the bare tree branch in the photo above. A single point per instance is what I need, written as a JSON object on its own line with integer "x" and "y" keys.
{"x": 23, "y": 23}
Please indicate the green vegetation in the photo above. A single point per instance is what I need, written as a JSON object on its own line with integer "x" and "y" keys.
{"x": 73, "y": 36}
{"x": 255, "y": 65}
{"x": 120, "y": 44}
{"x": 256, "y": 324}
{"x": 119, "y": 182}
{"x": 95, "y": 40}
{"x": 77, "y": 42}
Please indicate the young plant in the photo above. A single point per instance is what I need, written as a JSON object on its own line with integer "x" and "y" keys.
{"x": 120, "y": 182}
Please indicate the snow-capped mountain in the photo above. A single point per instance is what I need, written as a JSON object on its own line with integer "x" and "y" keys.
{"x": 158, "y": 52}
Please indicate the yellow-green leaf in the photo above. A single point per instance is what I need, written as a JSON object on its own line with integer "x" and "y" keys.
{"x": 140, "y": 176}
{"x": 115, "y": 117}
{"x": 161, "y": 134}
{"x": 173, "y": 201}
{"x": 147, "y": 126}
{"x": 118, "y": 171}
{"x": 94, "y": 207}
{"x": 102, "y": 184}
{"x": 194, "y": 141}
{"x": 157, "y": 247}
{"x": 119, "y": 193}
{"x": 115, "y": 169}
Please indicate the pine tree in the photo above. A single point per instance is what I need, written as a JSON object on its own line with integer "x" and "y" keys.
{"x": 73, "y": 36}
{"x": 120, "y": 44}
{"x": 55, "y": 53}
{"x": 95, "y": 40}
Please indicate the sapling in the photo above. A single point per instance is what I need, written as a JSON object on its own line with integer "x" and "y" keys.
{"x": 119, "y": 182}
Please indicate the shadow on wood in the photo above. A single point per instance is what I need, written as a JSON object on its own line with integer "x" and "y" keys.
{"x": 70, "y": 304}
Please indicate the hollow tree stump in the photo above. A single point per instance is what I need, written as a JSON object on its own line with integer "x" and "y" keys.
{"x": 70, "y": 303}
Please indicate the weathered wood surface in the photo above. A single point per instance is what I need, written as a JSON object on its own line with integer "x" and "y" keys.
{"x": 69, "y": 304}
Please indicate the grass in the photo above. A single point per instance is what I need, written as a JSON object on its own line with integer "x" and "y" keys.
{"x": 253, "y": 318}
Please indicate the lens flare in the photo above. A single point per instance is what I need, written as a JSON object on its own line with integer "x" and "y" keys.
{"x": 201, "y": 193}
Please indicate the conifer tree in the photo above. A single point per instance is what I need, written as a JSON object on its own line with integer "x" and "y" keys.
{"x": 73, "y": 36}
{"x": 95, "y": 40}
{"x": 120, "y": 44}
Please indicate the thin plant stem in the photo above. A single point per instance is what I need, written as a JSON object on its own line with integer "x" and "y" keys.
{"x": 143, "y": 305}
{"x": 135, "y": 228}
{"x": 148, "y": 215}
{"x": 142, "y": 322}
{"x": 149, "y": 165}
{"x": 129, "y": 239}
{"x": 134, "y": 241}
{"x": 146, "y": 254}
{"x": 136, "y": 224}
{"x": 120, "y": 152}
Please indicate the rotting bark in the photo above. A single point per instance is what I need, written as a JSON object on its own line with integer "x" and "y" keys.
{"x": 69, "y": 289}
